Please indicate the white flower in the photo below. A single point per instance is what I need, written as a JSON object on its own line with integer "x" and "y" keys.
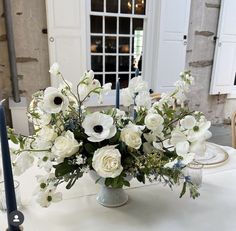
{"x": 126, "y": 97}
{"x": 188, "y": 122}
{"x": 99, "y": 127}
{"x": 80, "y": 159}
{"x": 22, "y": 162}
{"x": 182, "y": 148}
{"x": 177, "y": 136}
{"x": 47, "y": 133}
{"x": 107, "y": 162}
{"x": 83, "y": 91}
{"x": 45, "y": 198}
{"x": 188, "y": 158}
{"x": 54, "y": 69}
{"x": 143, "y": 99}
{"x": 154, "y": 122}
{"x": 131, "y": 135}
{"x": 45, "y": 160}
{"x": 65, "y": 145}
{"x": 45, "y": 182}
{"x": 54, "y": 101}
{"x": 137, "y": 85}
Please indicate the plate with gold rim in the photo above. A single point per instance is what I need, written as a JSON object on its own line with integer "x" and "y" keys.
{"x": 213, "y": 157}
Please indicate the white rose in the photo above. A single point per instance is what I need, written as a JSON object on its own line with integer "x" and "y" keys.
{"x": 46, "y": 133}
{"x": 107, "y": 162}
{"x": 131, "y": 137}
{"x": 126, "y": 97}
{"x": 188, "y": 122}
{"x": 154, "y": 122}
{"x": 54, "y": 69}
{"x": 65, "y": 145}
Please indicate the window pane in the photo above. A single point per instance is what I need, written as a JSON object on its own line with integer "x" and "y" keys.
{"x": 99, "y": 77}
{"x": 124, "y": 80}
{"x": 110, "y": 44}
{"x": 137, "y": 24}
{"x": 124, "y": 25}
{"x": 110, "y": 63}
{"x": 96, "y": 63}
{"x": 111, "y": 79}
{"x": 112, "y": 6}
{"x": 97, "y": 5}
{"x": 96, "y": 24}
{"x": 96, "y": 44}
{"x": 126, "y": 6}
{"x": 139, "y": 64}
{"x": 124, "y": 45}
{"x": 110, "y": 25}
{"x": 140, "y": 6}
{"x": 123, "y": 63}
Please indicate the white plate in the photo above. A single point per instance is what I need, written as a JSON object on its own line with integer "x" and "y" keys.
{"x": 214, "y": 156}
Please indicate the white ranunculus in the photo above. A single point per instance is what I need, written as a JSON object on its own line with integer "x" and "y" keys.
{"x": 131, "y": 136}
{"x": 47, "y": 133}
{"x": 188, "y": 122}
{"x": 182, "y": 148}
{"x": 143, "y": 99}
{"x": 65, "y": 145}
{"x": 137, "y": 84}
{"x": 54, "y": 101}
{"x": 54, "y": 69}
{"x": 99, "y": 127}
{"x": 126, "y": 97}
{"x": 107, "y": 161}
{"x": 154, "y": 122}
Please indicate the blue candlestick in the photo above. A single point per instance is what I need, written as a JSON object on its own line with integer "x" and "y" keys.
{"x": 118, "y": 94}
{"x": 136, "y": 72}
{"x": 7, "y": 170}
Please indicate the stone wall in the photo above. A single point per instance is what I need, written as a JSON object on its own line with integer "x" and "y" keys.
{"x": 29, "y": 18}
{"x": 204, "y": 17}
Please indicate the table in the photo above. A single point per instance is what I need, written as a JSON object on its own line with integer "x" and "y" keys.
{"x": 150, "y": 207}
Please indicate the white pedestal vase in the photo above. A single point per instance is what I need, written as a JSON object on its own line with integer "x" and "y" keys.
{"x": 108, "y": 196}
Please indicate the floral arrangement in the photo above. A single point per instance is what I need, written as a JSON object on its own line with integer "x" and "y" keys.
{"x": 154, "y": 143}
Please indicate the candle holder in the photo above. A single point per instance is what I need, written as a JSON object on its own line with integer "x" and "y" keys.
{"x": 20, "y": 228}
{"x": 3, "y": 205}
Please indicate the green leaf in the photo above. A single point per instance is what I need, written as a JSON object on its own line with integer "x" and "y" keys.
{"x": 63, "y": 169}
{"x": 141, "y": 178}
{"x": 13, "y": 139}
{"x": 183, "y": 189}
{"x": 108, "y": 181}
{"x": 90, "y": 148}
{"x": 126, "y": 183}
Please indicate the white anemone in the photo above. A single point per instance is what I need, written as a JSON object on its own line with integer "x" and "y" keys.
{"x": 54, "y": 101}
{"x": 99, "y": 127}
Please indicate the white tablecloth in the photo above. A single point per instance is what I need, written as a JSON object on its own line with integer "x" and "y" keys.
{"x": 151, "y": 207}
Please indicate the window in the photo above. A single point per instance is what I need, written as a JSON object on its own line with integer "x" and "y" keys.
{"x": 116, "y": 39}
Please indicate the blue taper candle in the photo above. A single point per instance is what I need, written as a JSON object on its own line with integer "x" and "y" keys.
{"x": 118, "y": 93}
{"x": 7, "y": 170}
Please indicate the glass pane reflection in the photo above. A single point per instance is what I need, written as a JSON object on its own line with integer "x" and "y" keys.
{"x": 96, "y": 24}
{"x": 110, "y": 44}
{"x": 124, "y": 26}
{"x": 126, "y": 6}
{"x": 110, "y": 63}
{"x": 111, "y": 78}
{"x": 139, "y": 6}
{"x": 97, "y": 5}
{"x": 124, "y": 45}
{"x": 112, "y": 6}
{"x": 123, "y": 63}
{"x": 96, "y": 44}
{"x": 124, "y": 80}
{"x": 110, "y": 25}
{"x": 96, "y": 63}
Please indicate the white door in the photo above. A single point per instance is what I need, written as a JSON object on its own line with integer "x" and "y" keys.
{"x": 224, "y": 67}
{"x": 66, "y": 34}
{"x": 172, "y": 44}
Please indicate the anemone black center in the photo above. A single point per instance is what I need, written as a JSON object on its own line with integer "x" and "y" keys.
{"x": 98, "y": 128}
{"x": 58, "y": 100}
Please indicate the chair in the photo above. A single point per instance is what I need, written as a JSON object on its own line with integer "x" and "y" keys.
{"x": 233, "y": 129}
{"x": 155, "y": 96}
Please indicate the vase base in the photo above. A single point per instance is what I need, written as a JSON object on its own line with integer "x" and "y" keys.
{"x": 112, "y": 197}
